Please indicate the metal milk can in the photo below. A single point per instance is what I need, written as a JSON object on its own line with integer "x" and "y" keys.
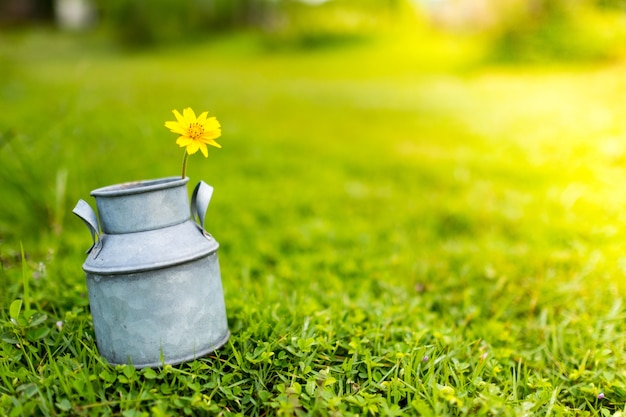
{"x": 153, "y": 277}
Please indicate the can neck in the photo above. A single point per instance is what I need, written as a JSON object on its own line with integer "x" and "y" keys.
{"x": 143, "y": 205}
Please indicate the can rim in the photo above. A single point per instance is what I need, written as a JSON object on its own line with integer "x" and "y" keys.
{"x": 139, "y": 187}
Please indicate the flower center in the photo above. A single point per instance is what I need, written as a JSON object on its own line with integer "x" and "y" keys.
{"x": 196, "y": 130}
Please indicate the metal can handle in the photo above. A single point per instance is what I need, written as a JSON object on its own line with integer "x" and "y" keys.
{"x": 86, "y": 213}
{"x": 200, "y": 200}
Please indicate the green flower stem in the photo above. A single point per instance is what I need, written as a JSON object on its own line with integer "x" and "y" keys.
{"x": 185, "y": 164}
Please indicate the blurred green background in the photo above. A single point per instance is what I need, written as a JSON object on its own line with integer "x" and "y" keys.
{"x": 384, "y": 123}
{"x": 86, "y": 83}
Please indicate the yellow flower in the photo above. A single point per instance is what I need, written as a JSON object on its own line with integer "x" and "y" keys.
{"x": 195, "y": 133}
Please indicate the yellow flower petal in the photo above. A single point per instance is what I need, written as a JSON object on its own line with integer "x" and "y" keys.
{"x": 204, "y": 150}
{"x": 202, "y": 117}
{"x": 214, "y": 134}
{"x": 175, "y": 127}
{"x": 180, "y": 118}
{"x": 211, "y": 123}
{"x": 189, "y": 115}
{"x": 184, "y": 141}
{"x": 214, "y": 143}
{"x": 193, "y": 147}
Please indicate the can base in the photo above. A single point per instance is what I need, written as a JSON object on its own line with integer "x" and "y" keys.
{"x": 178, "y": 361}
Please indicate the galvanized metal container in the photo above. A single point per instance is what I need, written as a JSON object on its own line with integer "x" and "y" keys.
{"x": 153, "y": 276}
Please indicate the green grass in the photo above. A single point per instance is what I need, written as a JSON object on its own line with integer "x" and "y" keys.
{"x": 403, "y": 231}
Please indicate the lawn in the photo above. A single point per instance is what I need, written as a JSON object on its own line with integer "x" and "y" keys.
{"x": 403, "y": 230}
